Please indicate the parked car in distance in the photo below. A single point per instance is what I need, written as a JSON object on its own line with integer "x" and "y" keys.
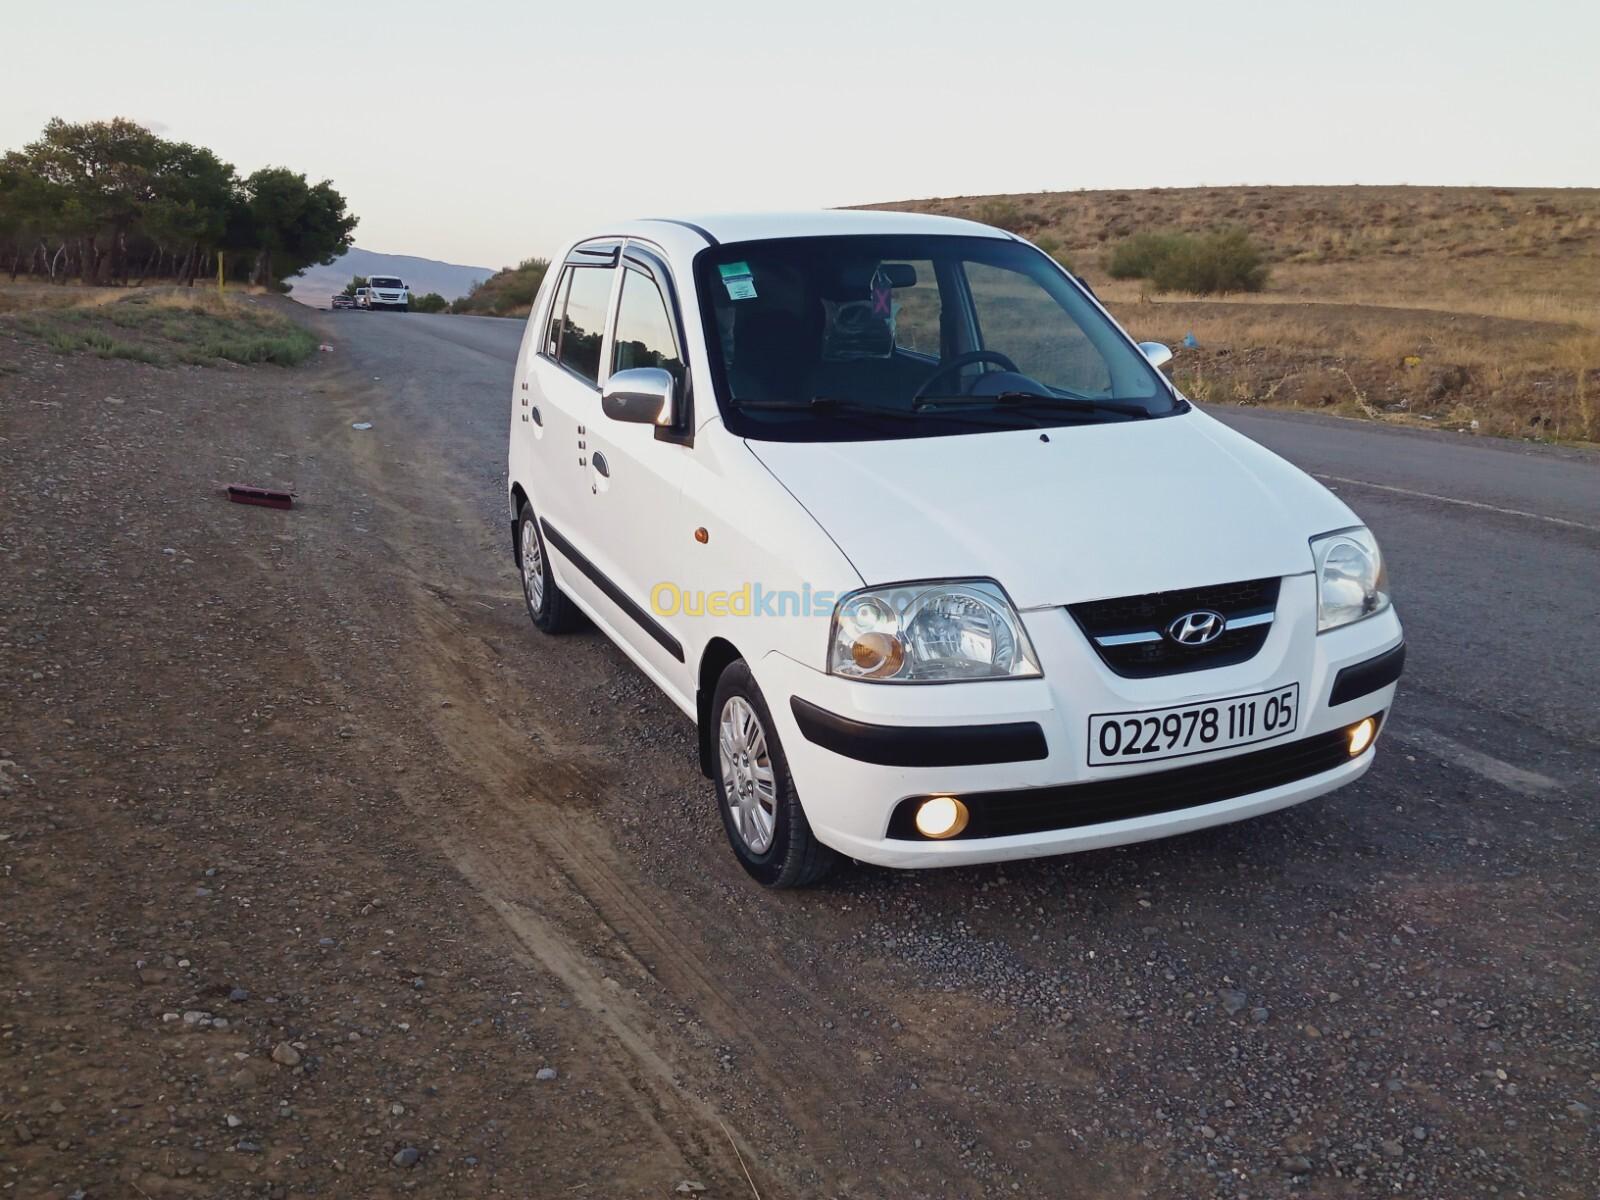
{"x": 363, "y": 298}
{"x": 388, "y": 291}
{"x": 941, "y": 564}
{"x": 341, "y": 300}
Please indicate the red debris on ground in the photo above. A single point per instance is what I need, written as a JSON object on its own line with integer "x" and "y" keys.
{"x": 241, "y": 493}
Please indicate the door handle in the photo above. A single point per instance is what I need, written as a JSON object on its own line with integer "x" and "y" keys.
{"x": 601, "y": 467}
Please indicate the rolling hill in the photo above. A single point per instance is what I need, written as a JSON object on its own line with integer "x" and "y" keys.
{"x": 1468, "y": 308}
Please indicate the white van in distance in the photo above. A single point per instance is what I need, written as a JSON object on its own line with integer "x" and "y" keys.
{"x": 388, "y": 291}
{"x": 941, "y": 564}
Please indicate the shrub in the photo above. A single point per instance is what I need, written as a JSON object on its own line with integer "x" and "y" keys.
{"x": 1202, "y": 264}
{"x": 1136, "y": 257}
{"x": 1226, "y": 261}
{"x": 1003, "y": 214}
{"x": 431, "y": 302}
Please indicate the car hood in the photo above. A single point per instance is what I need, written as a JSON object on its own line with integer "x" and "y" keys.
{"x": 1096, "y": 511}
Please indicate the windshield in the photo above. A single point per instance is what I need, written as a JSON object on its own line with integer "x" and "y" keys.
{"x": 383, "y": 281}
{"x": 848, "y": 338}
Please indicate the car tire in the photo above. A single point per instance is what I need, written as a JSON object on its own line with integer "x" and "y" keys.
{"x": 548, "y": 605}
{"x": 761, "y": 812}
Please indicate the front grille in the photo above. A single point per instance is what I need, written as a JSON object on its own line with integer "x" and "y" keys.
{"x": 1150, "y": 614}
{"x": 1073, "y": 805}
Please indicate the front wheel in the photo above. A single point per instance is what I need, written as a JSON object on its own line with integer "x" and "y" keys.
{"x": 761, "y": 813}
{"x": 547, "y": 604}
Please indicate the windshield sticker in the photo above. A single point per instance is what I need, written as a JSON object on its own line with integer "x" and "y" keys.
{"x": 737, "y": 279}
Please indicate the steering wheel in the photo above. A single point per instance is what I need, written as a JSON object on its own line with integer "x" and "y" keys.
{"x": 963, "y": 360}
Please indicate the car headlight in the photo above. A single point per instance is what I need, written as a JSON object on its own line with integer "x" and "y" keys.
{"x": 1351, "y": 580}
{"x": 928, "y": 632}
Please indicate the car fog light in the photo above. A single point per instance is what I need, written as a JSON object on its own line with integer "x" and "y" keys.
{"x": 1361, "y": 735}
{"x": 941, "y": 817}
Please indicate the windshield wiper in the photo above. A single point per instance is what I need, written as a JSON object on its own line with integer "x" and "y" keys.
{"x": 826, "y": 404}
{"x": 1040, "y": 400}
{"x": 854, "y": 408}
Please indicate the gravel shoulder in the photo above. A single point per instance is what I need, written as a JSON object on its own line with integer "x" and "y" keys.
{"x": 309, "y": 781}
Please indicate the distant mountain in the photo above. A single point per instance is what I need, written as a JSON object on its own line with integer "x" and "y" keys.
{"x": 423, "y": 274}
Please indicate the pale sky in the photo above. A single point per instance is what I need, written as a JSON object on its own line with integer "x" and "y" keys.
{"x": 482, "y": 131}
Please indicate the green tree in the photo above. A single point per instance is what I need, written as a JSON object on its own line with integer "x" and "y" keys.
{"x": 431, "y": 302}
{"x": 189, "y": 216}
{"x": 96, "y": 198}
{"x": 295, "y": 223}
{"x": 32, "y": 210}
{"x": 107, "y": 171}
{"x": 356, "y": 281}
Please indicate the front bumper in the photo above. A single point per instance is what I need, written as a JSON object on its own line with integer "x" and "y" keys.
{"x": 852, "y": 785}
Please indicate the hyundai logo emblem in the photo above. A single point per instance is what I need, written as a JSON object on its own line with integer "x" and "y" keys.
{"x": 1198, "y": 628}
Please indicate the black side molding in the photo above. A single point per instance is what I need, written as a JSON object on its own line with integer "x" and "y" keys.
{"x": 919, "y": 745}
{"x": 1366, "y": 677}
{"x": 616, "y": 595}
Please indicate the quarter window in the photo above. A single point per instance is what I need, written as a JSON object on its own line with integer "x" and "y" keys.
{"x": 644, "y": 336}
{"x": 583, "y": 323}
{"x": 558, "y": 308}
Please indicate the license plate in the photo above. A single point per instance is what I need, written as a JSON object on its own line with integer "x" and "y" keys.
{"x": 1187, "y": 729}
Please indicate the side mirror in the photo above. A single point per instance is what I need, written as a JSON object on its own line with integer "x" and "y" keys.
{"x": 1158, "y": 354}
{"x": 641, "y": 396}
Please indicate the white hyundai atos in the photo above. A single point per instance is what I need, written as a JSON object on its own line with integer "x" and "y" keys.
{"x": 941, "y": 565}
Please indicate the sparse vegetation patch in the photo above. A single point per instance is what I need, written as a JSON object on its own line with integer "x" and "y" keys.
{"x": 1206, "y": 264}
{"x": 509, "y": 292}
{"x": 168, "y": 328}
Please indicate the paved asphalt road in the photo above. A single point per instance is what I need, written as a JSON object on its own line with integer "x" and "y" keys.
{"x": 1423, "y": 946}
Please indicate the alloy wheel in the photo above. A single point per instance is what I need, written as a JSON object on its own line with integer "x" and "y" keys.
{"x": 748, "y": 781}
{"x": 532, "y": 567}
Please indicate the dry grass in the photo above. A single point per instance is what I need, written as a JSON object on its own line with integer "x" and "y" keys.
{"x": 160, "y": 325}
{"x": 24, "y": 296}
{"x": 1469, "y": 308}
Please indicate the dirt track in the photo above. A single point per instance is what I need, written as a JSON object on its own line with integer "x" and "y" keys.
{"x": 321, "y": 757}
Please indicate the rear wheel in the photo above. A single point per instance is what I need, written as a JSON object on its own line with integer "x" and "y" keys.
{"x": 761, "y": 813}
{"x": 547, "y": 604}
